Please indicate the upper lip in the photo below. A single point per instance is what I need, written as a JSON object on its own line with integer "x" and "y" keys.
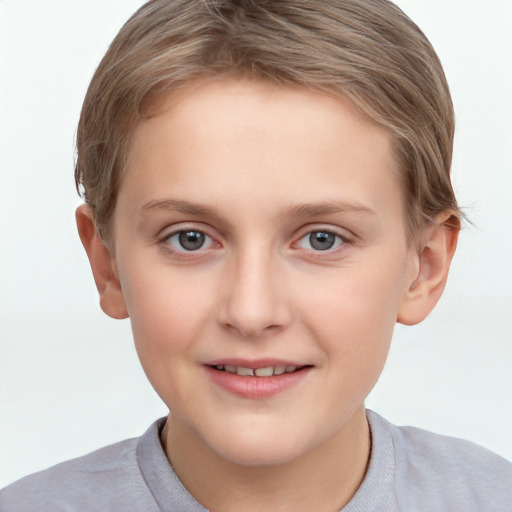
{"x": 253, "y": 363}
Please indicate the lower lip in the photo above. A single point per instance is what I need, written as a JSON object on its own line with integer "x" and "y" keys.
{"x": 256, "y": 388}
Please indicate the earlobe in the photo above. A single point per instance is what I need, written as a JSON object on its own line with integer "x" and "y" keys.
{"x": 434, "y": 257}
{"x": 102, "y": 264}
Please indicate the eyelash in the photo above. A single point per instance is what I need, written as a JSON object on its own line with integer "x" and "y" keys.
{"x": 182, "y": 252}
{"x": 338, "y": 241}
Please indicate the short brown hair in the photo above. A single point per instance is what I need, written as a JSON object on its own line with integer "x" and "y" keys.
{"x": 369, "y": 51}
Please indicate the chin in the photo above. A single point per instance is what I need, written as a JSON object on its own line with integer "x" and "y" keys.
{"x": 257, "y": 448}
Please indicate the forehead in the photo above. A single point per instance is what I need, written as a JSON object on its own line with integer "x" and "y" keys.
{"x": 228, "y": 141}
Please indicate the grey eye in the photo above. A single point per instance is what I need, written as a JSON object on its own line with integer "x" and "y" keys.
{"x": 322, "y": 240}
{"x": 191, "y": 240}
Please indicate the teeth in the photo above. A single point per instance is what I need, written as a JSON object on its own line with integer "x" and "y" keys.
{"x": 268, "y": 371}
{"x": 264, "y": 372}
{"x": 279, "y": 370}
{"x": 244, "y": 371}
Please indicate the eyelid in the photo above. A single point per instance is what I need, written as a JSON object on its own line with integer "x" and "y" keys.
{"x": 171, "y": 231}
{"x": 344, "y": 236}
{"x": 343, "y": 233}
{"x": 208, "y": 240}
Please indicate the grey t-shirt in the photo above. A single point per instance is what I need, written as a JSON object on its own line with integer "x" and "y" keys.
{"x": 410, "y": 470}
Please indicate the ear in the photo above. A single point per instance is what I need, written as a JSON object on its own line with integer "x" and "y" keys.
{"x": 433, "y": 258}
{"x": 103, "y": 265}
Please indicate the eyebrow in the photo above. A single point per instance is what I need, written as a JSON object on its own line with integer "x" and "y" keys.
{"x": 185, "y": 207}
{"x": 298, "y": 210}
{"x": 177, "y": 205}
{"x": 327, "y": 208}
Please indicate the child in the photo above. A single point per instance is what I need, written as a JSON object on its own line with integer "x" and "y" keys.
{"x": 267, "y": 193}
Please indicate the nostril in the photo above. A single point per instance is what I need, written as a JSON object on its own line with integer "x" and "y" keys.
{"x": 253, "y": 309}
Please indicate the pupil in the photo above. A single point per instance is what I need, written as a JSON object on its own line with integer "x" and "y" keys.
{"x": 191, "y": 240}
{"x": 322, "y": 240}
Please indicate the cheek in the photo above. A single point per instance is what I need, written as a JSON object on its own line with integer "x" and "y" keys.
{"x": 167, "y": 318}
{"x": 355, "y": 337}
{"x": 352, "y": 316}
{"x": 167, "y": 313}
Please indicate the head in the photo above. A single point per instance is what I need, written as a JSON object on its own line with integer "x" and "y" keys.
{"x": 267, "y": 185}
{"x": 367, "y": 52}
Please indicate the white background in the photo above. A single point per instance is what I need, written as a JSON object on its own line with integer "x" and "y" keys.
{"x": 69, "y": 377}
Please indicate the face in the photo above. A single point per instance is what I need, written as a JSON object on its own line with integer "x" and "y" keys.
{"x": 259, "y": 239}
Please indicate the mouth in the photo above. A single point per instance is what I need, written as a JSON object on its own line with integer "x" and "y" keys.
{"x": 257, "y": 379}
{"x": 263, "y": 372}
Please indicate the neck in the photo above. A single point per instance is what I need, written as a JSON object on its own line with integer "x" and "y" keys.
{"x": 324, "y": 478}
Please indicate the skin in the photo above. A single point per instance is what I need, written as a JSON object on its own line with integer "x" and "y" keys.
{"x": 258, "y": 168}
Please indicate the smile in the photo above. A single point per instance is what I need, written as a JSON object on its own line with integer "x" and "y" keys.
{"x": 268, "y": 371}
{"x": 256, "y": 381}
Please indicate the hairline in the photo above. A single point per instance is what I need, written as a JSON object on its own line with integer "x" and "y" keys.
{"x": 154, "y": 104}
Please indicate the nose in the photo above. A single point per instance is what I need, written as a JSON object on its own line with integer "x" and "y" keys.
{"x": 254, "y": 301}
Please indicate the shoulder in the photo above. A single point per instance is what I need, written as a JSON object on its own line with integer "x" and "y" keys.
{"x": 450, "y": 472}
{"x": 106, "y": 478}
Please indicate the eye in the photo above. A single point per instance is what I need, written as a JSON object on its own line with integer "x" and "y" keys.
{"x": 321, "y": 240}
{"x": 189, "y": 240}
